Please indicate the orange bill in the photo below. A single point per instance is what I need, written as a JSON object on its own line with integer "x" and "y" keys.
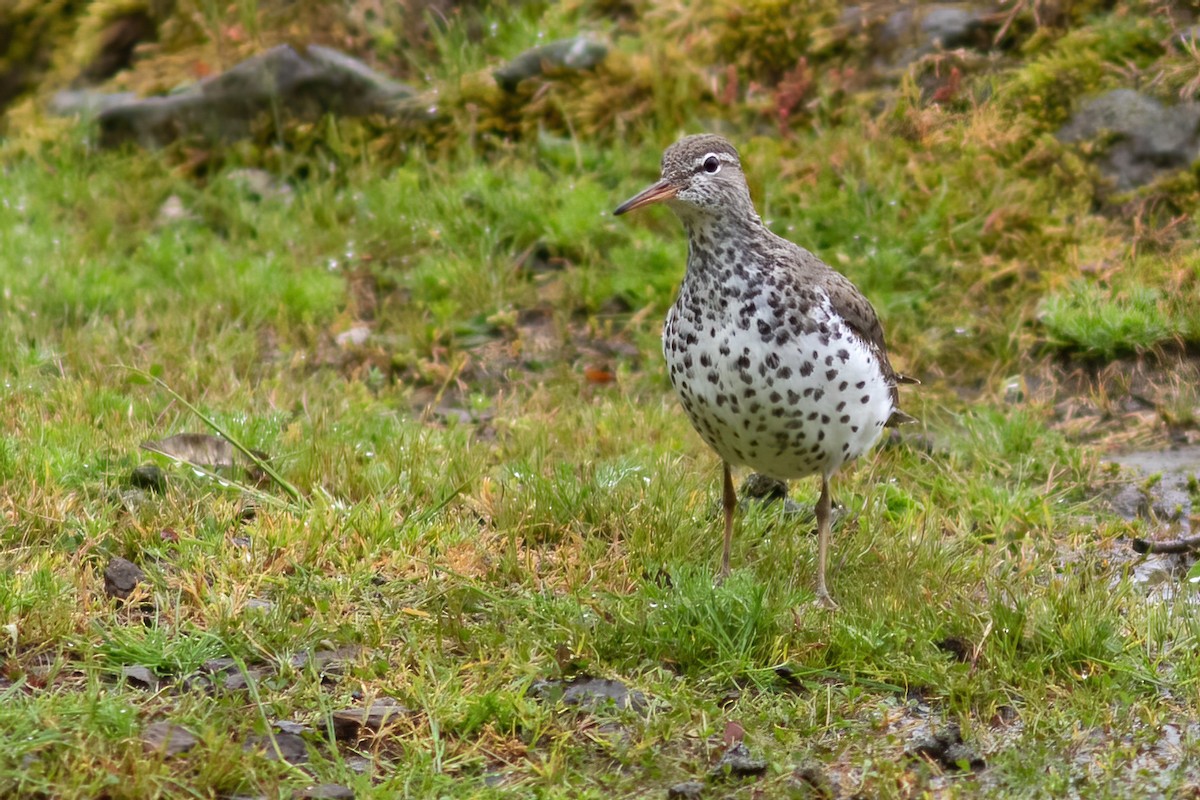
{"x": 660, "y": 191}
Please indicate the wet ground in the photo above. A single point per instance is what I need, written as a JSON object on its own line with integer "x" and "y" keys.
{"x": 1163, "y": 491}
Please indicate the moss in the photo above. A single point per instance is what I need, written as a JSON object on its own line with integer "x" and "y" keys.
{"x": 1083, "y": 61}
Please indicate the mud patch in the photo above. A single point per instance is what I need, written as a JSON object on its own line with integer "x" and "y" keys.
{"x": 1164, "y": 491}
{"x": 1139, "y": 403}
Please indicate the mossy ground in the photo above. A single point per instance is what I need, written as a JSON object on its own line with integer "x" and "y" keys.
{"x": 497, "y": 484}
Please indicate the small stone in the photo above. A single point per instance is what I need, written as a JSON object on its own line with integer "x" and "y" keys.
{"x": 759, "y": 488}
{"x": 762, "y": 487}
{"x": 945, "y": 748}
{"x": 688, "y": 790}
{"x": 360, "y": 765}
{"x": 121, "y": 577}
{"x": 349, "y": 722}
{"x": 590, "y": 694}
{"x": 140, "y": 677}
{"x": 737, "y": 762}
{"x": 168, "y": 738}
{"x": 287, "y": 747}
{"x": 148, "y": 476}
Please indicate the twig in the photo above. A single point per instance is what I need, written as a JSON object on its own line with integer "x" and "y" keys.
{"x": 1184, "y": 545}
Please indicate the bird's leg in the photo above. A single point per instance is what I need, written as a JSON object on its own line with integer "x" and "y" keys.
{"x": 823, "y": 512}
{"x": 728, "y": 503}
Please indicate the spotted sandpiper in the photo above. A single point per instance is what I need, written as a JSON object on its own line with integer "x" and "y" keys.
{"x": 778, "y": 359}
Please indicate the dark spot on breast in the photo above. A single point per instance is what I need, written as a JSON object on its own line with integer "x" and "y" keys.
{"x": 830, "y": 374}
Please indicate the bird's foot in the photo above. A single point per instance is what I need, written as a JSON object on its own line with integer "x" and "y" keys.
{"x": 721, "y": 576}
{"x": 825, "y": 601}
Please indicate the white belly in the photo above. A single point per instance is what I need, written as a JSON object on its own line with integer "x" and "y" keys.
{"x": 803, "y": 407}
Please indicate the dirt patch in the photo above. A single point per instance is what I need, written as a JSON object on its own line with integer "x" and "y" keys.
{"x": 1163, "y": 489}
{"x": 1150, "y": 401}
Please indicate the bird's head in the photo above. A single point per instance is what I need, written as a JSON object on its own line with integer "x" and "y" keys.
{"x": 701, "y": 176}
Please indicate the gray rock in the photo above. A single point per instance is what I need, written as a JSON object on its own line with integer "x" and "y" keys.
{"x": 281, "y": 80}
{"x": 140, "y": 677}
{"x": 737, "y": 762}
{"x": 590, "y": 694}
{"x": 148, "y": 476}
{"x": 286, "y": 747}
{"x": 688, "y": 790}
{"x": 348, "y": 723}
{"x": 1148, "y": 139}
{"x": 121, "y": 576}
{"x": 326, "y": 791}
{"x": 945, "y": 748}
{"x": 168, "y": 738}
{"x": 577, "y": 53}
{"x": 759, "y": 488}
{"x": 87, "y": 103}
{"x": 949, "y": 26}
{"x": 914, "y": 31}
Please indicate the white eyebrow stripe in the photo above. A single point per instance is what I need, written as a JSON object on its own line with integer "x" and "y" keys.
{"x": 726, "y": 157}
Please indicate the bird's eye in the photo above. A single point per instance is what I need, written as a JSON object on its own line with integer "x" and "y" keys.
{"x": 712, "y": 165}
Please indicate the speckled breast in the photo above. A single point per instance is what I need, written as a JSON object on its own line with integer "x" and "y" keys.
{"x": 786, "y": 391}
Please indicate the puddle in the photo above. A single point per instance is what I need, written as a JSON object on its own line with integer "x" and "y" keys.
{"x": 1161, "y": 490}
{"x": 1167, "y": 500}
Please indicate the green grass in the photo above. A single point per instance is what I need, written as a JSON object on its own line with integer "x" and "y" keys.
{"x": 481, "y": 514}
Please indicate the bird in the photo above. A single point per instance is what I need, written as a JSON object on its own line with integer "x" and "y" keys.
{"x": 779, "y": 360}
